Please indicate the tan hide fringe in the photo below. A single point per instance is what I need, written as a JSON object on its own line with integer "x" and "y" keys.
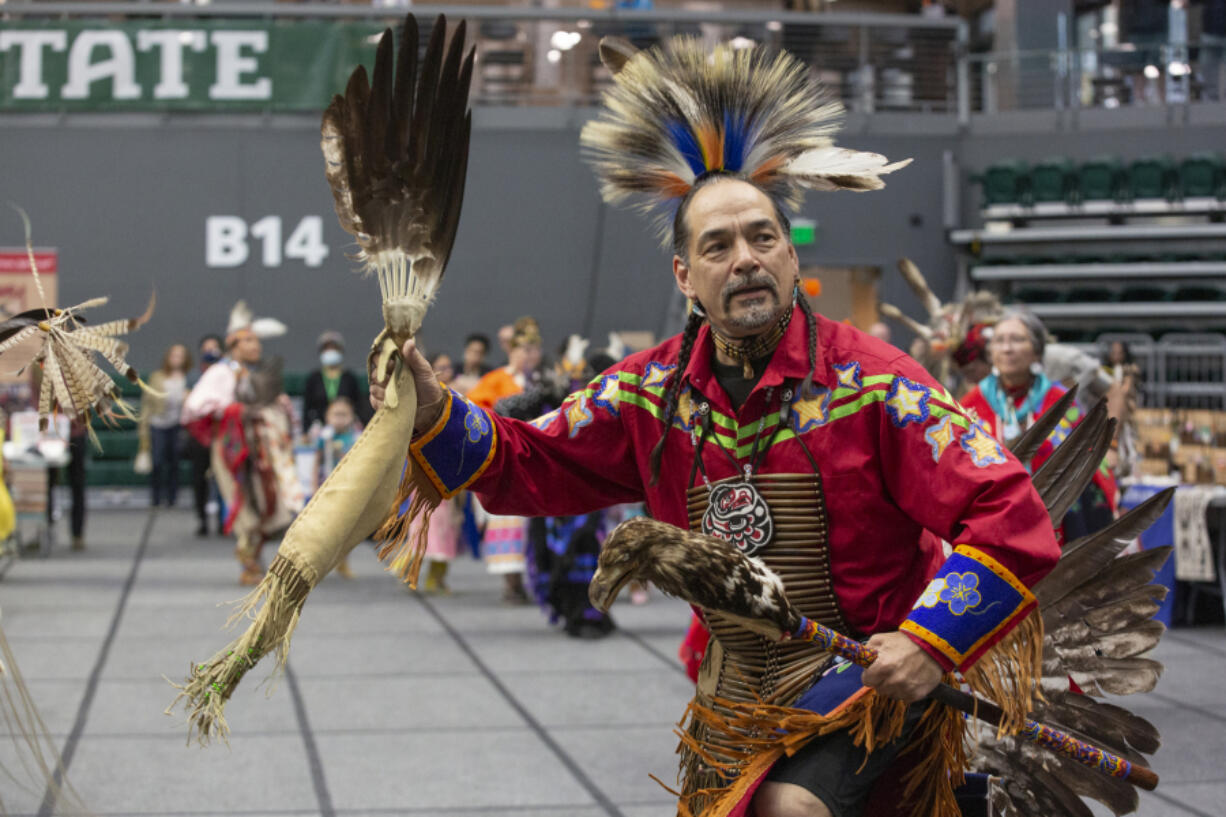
{"x": 37, "y": 767}
{"x": 279, "y": 598}
{"x": 939, "y": 744}
{"x": 1009, "y": 673}
{"x": 403, "y": 538}
{"x": 741, "y": 743}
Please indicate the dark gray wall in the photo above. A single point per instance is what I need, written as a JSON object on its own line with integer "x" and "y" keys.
{"x": 125, "y": 199}
{"x": 126, "y": 204}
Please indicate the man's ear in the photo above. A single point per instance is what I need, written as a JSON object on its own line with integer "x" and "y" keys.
{"x": 681, "y": 272}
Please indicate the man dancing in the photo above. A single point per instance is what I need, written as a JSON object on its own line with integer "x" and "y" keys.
{"x": 826, "y": 453}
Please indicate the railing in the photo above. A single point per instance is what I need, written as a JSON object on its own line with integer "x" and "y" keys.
{"x": 547, "y": 56}
{"x": 525, "y": 56}
{"x": 1098, "y": 78}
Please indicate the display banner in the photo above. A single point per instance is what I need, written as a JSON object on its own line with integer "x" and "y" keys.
{"x": 19, "y": 293}
{"x": 204, "y": 65}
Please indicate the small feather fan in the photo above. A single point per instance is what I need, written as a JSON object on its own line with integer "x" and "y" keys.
{"x": 678, "y": 112}
{"x": 395, "y": 156}
{"x": 72, "y": 382}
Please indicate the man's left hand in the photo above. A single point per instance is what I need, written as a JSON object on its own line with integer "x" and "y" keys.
{"x": 902, "y": 669}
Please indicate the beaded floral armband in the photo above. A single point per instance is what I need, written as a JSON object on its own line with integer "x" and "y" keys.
{"x": 458, "y": 448}
{"x": 971, "y": 603}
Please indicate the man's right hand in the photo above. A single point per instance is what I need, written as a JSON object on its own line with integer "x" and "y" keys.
{"x": 429, "y": 392}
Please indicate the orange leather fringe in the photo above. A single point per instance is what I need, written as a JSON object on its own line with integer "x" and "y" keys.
{"x": 402, "y": 538}
{"x": 754, "y": 736}
{"x": 743, "y": 745}
{"x": 1009, "y": 673}
{"x": 939, "y": 744}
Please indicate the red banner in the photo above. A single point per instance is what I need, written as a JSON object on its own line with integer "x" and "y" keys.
{"x": 16, "y": 259}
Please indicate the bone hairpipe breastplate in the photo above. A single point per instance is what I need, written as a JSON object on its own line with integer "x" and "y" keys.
{"x": 741, "y": 665}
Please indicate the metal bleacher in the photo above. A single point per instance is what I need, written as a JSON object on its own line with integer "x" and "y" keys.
{"x": 1109, "y": 249}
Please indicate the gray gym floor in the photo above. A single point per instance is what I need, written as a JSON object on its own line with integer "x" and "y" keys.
{"x": 398, "y": 703}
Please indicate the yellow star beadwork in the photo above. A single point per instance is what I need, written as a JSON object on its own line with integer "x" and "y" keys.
{"x": 578, "y": 415}
{"x": 907, "y": 403}
{"x": 848, "y": 375}
{"x": 812, "y": 412}
{"x": 545, "y": 419}
{"x": 608, "y": 391}
{"x": 983, "y": 447}
{"x": 940, "y": 436}
{"x": 685, "y": 410}
{"x": 655, "y": 375}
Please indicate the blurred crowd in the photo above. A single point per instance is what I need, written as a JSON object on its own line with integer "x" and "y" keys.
{"x": 257, "y": 455}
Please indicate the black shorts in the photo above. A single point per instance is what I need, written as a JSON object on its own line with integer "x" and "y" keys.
{"x": 836, "y": 771}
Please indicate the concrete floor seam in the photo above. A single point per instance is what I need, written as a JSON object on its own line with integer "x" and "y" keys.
{"x": 95, "y": 675}
{"x": 602, "y": 800}
{"x": 314, "y": 761}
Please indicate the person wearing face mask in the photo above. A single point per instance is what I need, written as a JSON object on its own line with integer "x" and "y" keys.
{"x": 330, "y": 381}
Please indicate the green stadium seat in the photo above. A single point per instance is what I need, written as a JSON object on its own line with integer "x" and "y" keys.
{"x": 1101, "y": 179}
{"x": 1153, "y": 178}
{"x": 1006, "y": 182}
{"x": 1076, "y": 335}
{"x": 127, "y": 389}
{"x": 114, "y": 473}
{"x": 1039, "y": 295}
{"x": 294, "y": 383}
{"x": 1087, "y": 293}
{"x": 1145, "y": 292}
{"x": 117, "y": 445}
{"x": 1199, "y": 292}
{"x": 1202, "y": 175}
{"x": 1053, "y": 180}
{"x": 116, "y": 423}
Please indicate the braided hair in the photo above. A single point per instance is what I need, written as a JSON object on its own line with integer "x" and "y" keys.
{"x": 692, "y": 324}
{"x": 811, "y": 324}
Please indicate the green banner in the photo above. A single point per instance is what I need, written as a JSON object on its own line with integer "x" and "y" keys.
{"x": 159, "y": 65}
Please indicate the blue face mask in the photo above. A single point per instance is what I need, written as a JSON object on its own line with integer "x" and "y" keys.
{"x": 210, "y": 357}
{"x": 330, "y": 357}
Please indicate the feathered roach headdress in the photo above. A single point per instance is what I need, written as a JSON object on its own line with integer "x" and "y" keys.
{"x": 241, "y": 317}
{"x": 678, "y": 112}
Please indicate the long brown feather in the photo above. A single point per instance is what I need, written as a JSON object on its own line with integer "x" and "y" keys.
{"x": 395, "y": 151}
{"x": 1088, "y": 556}
{"x": 1069, "y": 469}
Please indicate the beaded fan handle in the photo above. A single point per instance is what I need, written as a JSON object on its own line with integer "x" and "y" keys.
{"x": 1039, "y": 734}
